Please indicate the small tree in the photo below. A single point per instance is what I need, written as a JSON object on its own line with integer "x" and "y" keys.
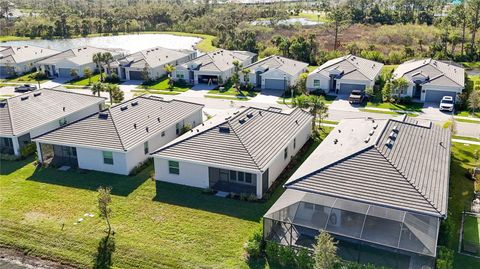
{"x": 116, "y": 94}
{"x": 317, "y": 107}
{"x": 169, "y": 69}
{"x": 74, "y": 73}
{"x": 104, "y": 201}
{"x": 145, "y": 73}
{"x": 398, "y": 85}
{"x": 97, "y": 88}
{"x": 245, "y": 73}
{"x": 97, "y": 58}
{"x": 325, "y": 252}
{"x": 301, "y": 85}
{"x": 474, "y": 99}
{"x": 236, "y": 77}
{"x": 88, "y": 74}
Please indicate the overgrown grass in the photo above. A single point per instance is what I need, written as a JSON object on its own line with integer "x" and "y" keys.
{"x": 156, "y": 224}
{"x": 316, "y": 17}
{"x": 460, "y": 197}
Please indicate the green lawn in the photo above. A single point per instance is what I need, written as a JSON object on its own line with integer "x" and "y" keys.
{"x": 460, "y": 195}
{"x": 466, "y": 138}
{"x": 288, "y": 100}
{"x": 156, "y": 224}
{"x": 471, "y": 230}
{"x": 467, "y": 120}
{"x": 467, "y": 114}
{"x": 310, "y": 68}
{"x": 162, "y": 85}
{"x": 5, "y": 38}
{"x": 148, "y": 91}
{"x": 417, "y": 107}
{"x": 84, "y": 81}
{"x": 5, "y": 96}
{"x": 471, "y": 65}
{"x": 24, "y": 78}
{"x": 227, "y": 97}
{"x": 229, "y": 90}
{"x": 386, "y": 112}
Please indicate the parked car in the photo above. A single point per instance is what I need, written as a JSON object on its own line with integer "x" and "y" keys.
{"x": 447, "y": 104}
{"x": 356, "y": 97}
{"x": 25, "y": 88}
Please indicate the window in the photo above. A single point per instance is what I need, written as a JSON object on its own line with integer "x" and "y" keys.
{"x": 163, "y": 133}
{"x": 145, "y": 147}
{"x": 177, "y": 128}
{"x": 241, "y": 176}
{"x": 62, "y": 121}
{"x": 107, "y": 157}
{"x": 233, "y": 175}
{"x": 294, "y": 143}
{"x": 309, "y": 206}
{"x": 173, "y": 167}
{"x": 316, "y": 83}
{"x": 248, "y": 177}
{"x": 285, "y": 153}
{"x": 180, "y": 75}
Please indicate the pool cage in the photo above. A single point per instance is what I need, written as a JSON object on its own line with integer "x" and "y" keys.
{"x": 297, "y": 217}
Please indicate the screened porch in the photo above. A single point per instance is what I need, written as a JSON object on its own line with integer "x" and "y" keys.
{"x": 297, "y": 217}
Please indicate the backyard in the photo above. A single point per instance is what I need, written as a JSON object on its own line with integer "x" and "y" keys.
{"x": 471, "y": 230}
{"x": 156, "y": 224}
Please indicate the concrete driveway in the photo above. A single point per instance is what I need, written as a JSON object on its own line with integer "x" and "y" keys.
{"x": 267, "y": 97}
{"x": 54, "y": 83}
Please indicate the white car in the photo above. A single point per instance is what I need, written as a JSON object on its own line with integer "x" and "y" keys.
{"x": 447, "y": 104}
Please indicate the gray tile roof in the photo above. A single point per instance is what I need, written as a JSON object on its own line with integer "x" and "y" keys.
{"x": 124, "y": 125}
{"x": 220, "y": 60}
{"x": 78, "y": 56}
{"x": 19, "y": 54}
{"x": 153, "y": 57}
{"x": 352, "y": 67}
{"x": 255, "y": 136}
{"x": 286, "y": 65}
{"x": 411, "y": 173}
{"x": 24, "y": 112}
{"x": 438, "y": 73}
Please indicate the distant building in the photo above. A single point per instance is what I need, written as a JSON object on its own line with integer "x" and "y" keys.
{"x": 16, "y": 60}
{"x": 213, "y": 67}
{"x": 429, "y": 80}
{"x": 78, "y": 59}
{"x": 154, "y": 59}
{"x": 31, "y": 114}
{"x": 275, "y": 73}
{"x": 343, "y": 75}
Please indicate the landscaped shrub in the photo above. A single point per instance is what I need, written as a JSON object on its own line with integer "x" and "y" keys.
{"x": 112, "y": 78}
{"x": 137, "y": 169}
{"x": 28, "y": 150}
{"x": 287, "y": 256}
{"x": 254, "y": 247}
{"x": 444, "y": 258}
{"x": 304, "y": 259}
{"x": 8, "y": 157}
{"x": 209, "y": 191}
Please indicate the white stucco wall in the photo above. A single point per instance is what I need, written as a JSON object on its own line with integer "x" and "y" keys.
{"x": 324, "y": 82}
{"x": 92, "y": 159}
{"x": 191, "y": 174}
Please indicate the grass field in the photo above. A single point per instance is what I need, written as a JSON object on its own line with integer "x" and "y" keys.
{"x": 156, "y": 224}
{"x": 460, "y": 195}
{"x": 471, "y": 230}
{"x": 417, "y": 107}
{"x": 316, "y": 17}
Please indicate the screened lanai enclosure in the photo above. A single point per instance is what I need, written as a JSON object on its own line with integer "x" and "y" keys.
{"x": 397, "y": 238}
{"x": 58, "y": 155}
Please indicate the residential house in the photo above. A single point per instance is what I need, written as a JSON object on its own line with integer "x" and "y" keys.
{"x": 118, "y": 139}
{"x": 40, "y": 111}
{"x": 78, "y": 59}
{"x": 380, "y": 187}
{"x": 343, "y": 75}
{"x": 275, "y": 73}
{"x": 429, "y": 80}
{"x": 154, "y": 59}
{"x": 242, "y": 153}
{"x": 212, "y": 68}
{"x": 17, "y": 60}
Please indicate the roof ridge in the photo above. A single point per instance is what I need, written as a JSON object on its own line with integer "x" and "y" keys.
{"x": 240, "y": 140}
{"x": 406, "y": 179}
{"x": 116, "y": 129}
{"x": 10, "y": 116}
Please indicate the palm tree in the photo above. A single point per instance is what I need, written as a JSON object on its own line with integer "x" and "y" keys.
{"x": 97, "y": 88}
{"x": 169, "y": 69}
{"x": 88, "y": 74}
{"x": 111, "y": 88}
{"x": 107, "y": 58}
{"x": 316, "y": 105}
{"x": 98, "y": 60}
{"x": 236, "y": 77}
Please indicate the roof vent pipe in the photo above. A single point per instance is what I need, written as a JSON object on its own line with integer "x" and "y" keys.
{"x": 335, "y": 141}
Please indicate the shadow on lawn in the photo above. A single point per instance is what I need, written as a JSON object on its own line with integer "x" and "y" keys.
{"x": 91, "y": 180}
{"x": 105, "y": 250}
{"x": 8, "y": 167}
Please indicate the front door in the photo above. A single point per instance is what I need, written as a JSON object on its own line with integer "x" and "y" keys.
{"x": 417, "y": 91}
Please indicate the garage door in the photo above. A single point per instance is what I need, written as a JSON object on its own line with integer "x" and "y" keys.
{"x": 275, "y": 84}
{"x": 64, "y": 72}
{"x": 6, "y": 71}
{"x": 135, "y": 75}
{"x": 347, "y": 88}
{"x": 436, "y": 96}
